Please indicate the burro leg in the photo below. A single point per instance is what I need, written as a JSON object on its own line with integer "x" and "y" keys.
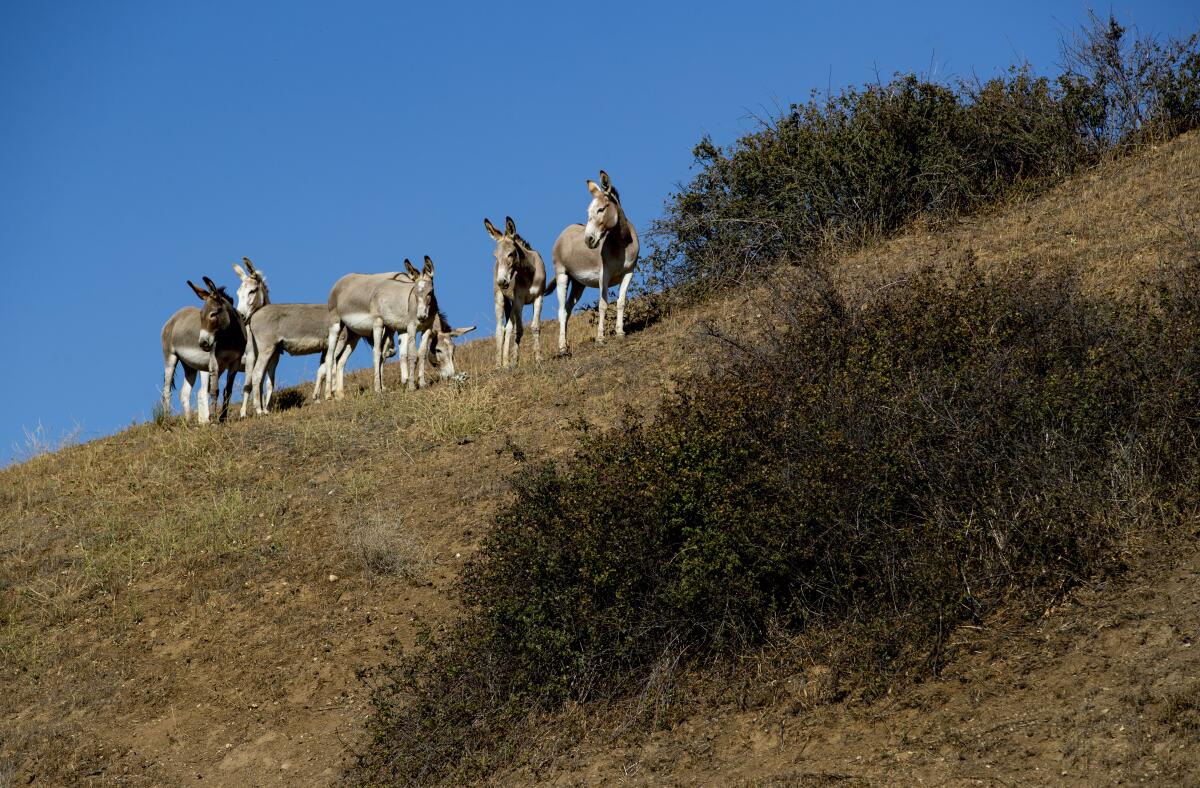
{"x": 537, "y": 328}
{"x": 563, "y": 313}
{"x": 499, "y": 328}
{"x": 625, "y": 280}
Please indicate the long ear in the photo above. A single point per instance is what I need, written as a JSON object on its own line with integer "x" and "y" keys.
{"x": 212, "y": 286}
{"x": 412, "y": 269}
{"x": 428, "y": 269}
{"x": 249, "y": 266}
{"x": 237, "y": 269}
{"x": 605, "y": 183}
{"x": 595, "y": 190}
{"x": 510, "y": 227}
{"x": 492, "y": 231}
{"x": 199, "y": 291}
{"x": 458, "y": 332}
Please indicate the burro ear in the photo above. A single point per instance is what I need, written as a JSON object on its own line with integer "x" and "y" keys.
{"x": 605, "y": 183}
{"x": 249, "y": 266}
{"x": 594, "y": 189}
{"x": 510, "y": 227}
{"x": 428, "y": 269}
{"x": 199, "y": 291}
{"x": 412, "y": 269}
{"x": 212, "y": 286}
{"x": 458, "y": 332}
{"x": 237, "y": 269}
{"x": 492, "y": 231}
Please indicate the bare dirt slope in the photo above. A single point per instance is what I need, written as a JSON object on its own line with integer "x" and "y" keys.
{"x": 183, "y": 605}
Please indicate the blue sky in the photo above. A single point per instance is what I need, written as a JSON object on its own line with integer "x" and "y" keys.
{"x": 145, "y": 143}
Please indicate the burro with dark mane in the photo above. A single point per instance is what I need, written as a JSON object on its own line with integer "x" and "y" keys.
{"x": 518, "y": 278}
{"x": 600, "y": 254}
{"x": 209, "y": 340}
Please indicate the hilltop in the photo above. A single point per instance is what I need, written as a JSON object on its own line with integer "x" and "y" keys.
{"x": 180, "y": 604}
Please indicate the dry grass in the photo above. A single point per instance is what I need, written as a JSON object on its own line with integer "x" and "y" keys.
{"x": 169, "y": 544}
{"x": 383, "y": 546}
{"x": 1116, "y": 226}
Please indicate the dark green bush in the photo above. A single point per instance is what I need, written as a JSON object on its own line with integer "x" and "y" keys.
{"x": 891, "y": 468}
{"x": 845, "y": 169}
{"x": 838, "y": 171}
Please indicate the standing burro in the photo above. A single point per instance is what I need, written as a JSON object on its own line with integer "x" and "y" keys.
{"x": 376, "y": 305}
{"x": 518, "y": 278}
{"x": 600, "y": 254}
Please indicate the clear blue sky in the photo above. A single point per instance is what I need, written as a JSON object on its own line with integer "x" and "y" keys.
{"x": 145, "y": 143}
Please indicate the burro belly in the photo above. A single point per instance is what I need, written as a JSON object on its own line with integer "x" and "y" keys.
{"x": 361, "y": 323}
{"x": 591, "y": 277}
{"x": 193, "y": 357}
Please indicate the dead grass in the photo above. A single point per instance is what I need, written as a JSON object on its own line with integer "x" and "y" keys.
{"x": 1116, "y": 226}
{"x": 382, "y": 546}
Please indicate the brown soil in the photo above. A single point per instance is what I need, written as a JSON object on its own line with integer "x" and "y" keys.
{"x": 185, "y": 605}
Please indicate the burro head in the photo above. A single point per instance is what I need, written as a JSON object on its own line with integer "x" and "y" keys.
{"x": 441, "y": 346}
{"x": 214, "y": 315}
{"x": 509, "y": 254}
{"x": 252, "y": 292}
{"x": 603, "y": 212}
{"x": 423, "y": 290}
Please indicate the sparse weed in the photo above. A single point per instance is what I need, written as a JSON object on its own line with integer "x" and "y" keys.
{"x": 457, "y": 413}
{"x": 383, "y": 546}
{"x": 37, "y": 441}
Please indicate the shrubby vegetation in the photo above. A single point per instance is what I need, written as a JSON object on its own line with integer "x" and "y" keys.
{"x": 845, "y": 169}
{"x": 891, "y": 468}
{"x": 888, "y": 467}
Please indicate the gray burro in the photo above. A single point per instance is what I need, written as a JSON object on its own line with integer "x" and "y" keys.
{"x": 209, "y": 340}
{"x": 372, "y": 305}
{"x": 518, "y": 278}
{"x": 599, "y": 254}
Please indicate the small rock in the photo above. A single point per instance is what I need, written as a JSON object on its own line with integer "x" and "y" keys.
{"x": 333, "y": 578}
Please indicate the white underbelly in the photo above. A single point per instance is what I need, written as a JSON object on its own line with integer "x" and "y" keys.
{"x": 361, "y": 323}
{"x": 588, "y": 278}
{"x": 592, "y": 278}
{"x": 193, "y": 357}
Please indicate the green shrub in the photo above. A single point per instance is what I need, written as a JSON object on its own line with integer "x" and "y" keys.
{"x": 845, "y": 169}
{"x": 891, "y": 469}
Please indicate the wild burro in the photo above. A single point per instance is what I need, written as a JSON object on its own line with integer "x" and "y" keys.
{"x": 372, "y": 305}
{"x": 275, "y": 329}
{"x": 600, "y": 254}
{"x": 518, "y": 278}
{"x": 209, "y": 340}
{"x": 348, "y": 290}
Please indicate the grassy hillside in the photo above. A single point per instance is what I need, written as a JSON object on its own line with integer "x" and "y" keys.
{"x": 180, "y": 603}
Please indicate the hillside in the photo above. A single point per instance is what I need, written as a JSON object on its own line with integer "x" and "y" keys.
{"x": 182, "y": 604}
